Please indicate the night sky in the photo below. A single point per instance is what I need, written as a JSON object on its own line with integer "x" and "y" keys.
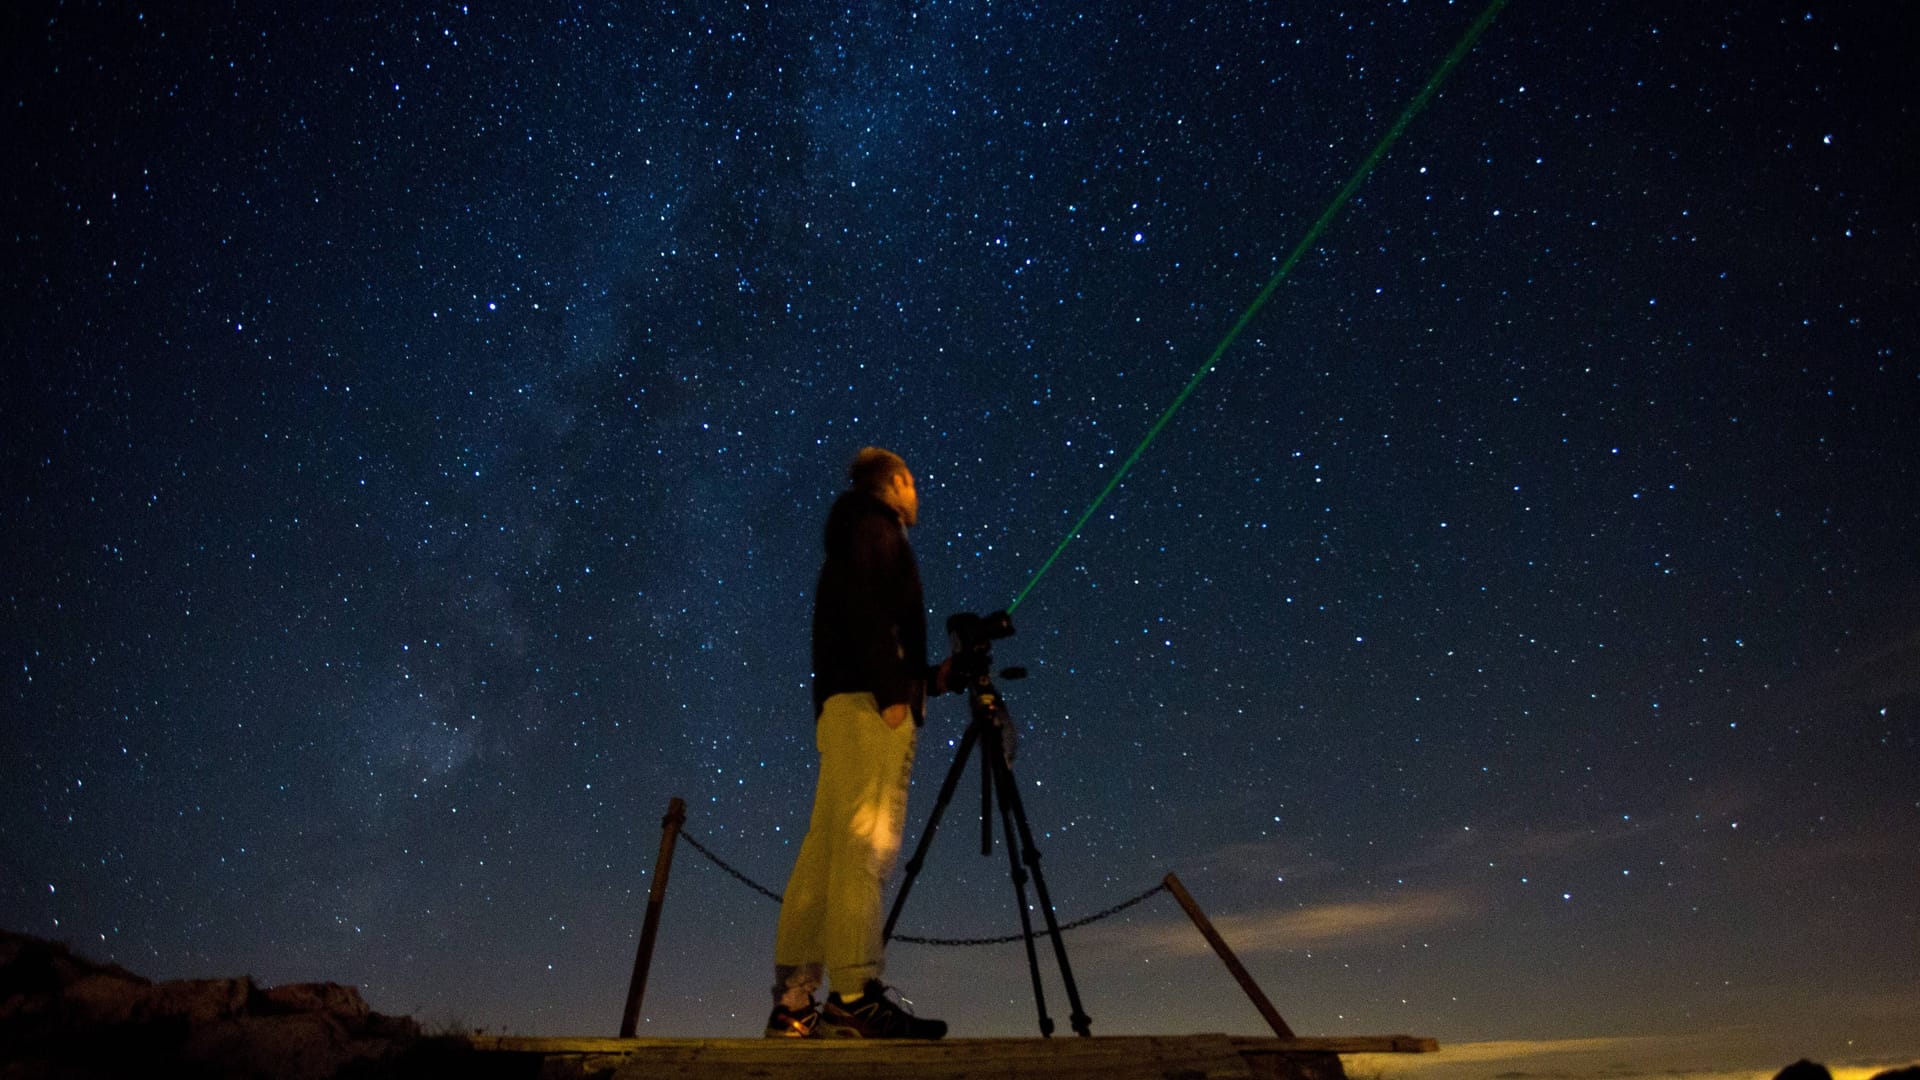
{"x": 418, "y": 426}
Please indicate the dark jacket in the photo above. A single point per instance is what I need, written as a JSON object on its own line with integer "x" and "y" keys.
{"x": 869, "y": 616}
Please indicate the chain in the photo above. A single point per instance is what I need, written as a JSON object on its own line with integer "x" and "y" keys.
{"x": 1064, "y": 927}
{"x": 722, "y": 864}
{"x": 1003, "y": 940}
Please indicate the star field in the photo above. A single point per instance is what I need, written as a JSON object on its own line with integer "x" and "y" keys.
{"x": 419, "y": 424}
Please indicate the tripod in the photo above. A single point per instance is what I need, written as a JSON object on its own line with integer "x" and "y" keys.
{"x": 989, "y": 731}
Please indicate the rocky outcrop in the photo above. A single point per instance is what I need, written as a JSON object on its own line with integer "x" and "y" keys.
{"x": 63, "y": 1015}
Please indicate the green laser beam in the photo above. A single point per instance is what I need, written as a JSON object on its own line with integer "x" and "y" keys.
{"x": 1326, "y": 216}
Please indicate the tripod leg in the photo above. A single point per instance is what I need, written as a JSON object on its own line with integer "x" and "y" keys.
{"x": 1019, "y": 874}
{"x": 988, "y": 745}
{"x": 1082, "y": 1023}
{"x": 933, "y": 822}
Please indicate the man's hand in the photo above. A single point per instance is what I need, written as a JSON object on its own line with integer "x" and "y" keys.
{"x": 896, "y": 714}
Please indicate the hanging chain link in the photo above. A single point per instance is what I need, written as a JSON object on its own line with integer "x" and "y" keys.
{"x": 1002, "y": 940}
{"x": 722, "y": 864}
{"x": 1064, "y": 927}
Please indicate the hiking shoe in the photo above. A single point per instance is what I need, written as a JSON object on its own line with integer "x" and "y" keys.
{"x": 803, "y": 1023}
{"x": 873, "y": 1016}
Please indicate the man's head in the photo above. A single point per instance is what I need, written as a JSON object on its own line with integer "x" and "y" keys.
{"x": 884, "y": 475}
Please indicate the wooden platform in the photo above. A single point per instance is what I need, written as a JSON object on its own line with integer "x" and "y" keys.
{"x": 1126, "y": 1057}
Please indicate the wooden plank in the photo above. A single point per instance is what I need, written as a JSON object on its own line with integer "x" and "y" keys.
{"x": 1337, "y": 1044}
{"x": 1130, "y": 1058}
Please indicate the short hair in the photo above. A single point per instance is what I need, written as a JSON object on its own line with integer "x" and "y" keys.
{"x": 873, "y": 467}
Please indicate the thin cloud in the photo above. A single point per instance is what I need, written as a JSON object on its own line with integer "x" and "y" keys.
{"x": 1315, "y": 926}
{"x": 1519, "y": 1050}
{"x": 1892, "y": 671}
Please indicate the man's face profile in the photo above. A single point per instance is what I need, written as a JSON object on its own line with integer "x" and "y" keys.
{"x": 899, "y": 494}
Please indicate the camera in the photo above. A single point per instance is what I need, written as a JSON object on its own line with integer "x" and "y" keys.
{"x": 970, "y": 639}
{"x": 967, "y": 632}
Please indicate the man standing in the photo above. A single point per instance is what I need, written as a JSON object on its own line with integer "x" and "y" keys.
{"x": 870, "y": 682}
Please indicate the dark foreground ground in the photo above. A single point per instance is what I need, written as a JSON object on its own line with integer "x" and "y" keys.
{"x": 64, "y": 1016}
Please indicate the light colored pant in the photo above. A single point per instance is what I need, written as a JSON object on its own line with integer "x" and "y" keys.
{"x": 831, "y": 918}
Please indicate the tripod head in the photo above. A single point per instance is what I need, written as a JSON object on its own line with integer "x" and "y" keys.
{"x": 971, "y": 639}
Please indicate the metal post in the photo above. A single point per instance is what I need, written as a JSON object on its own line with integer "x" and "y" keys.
{"x": 1219, "y": 944}
{"x": 656, "y": 896}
